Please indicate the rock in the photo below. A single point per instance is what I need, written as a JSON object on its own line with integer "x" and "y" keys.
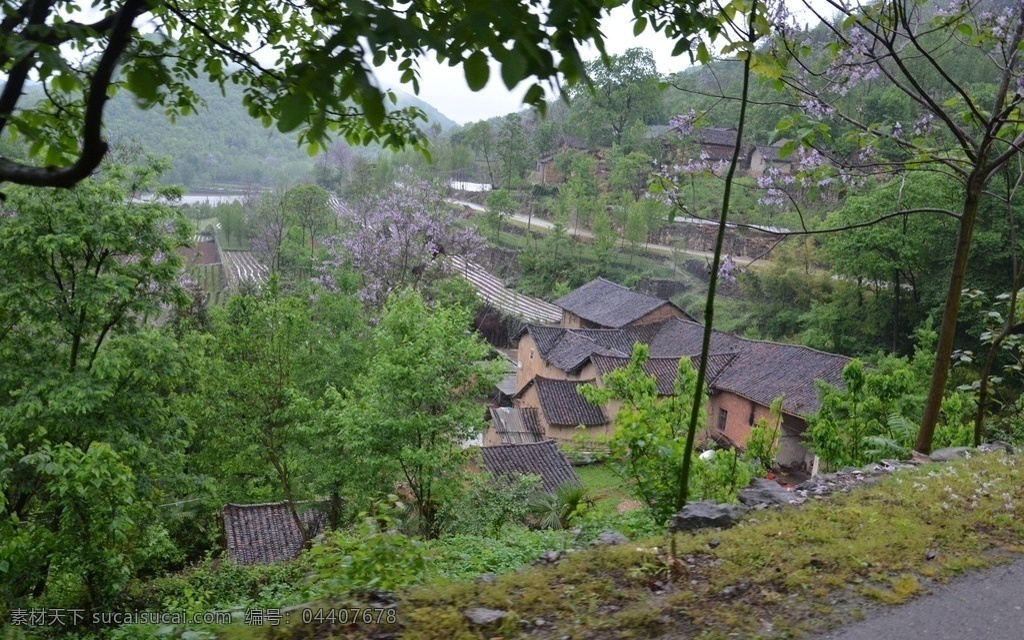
{"x": 540, "y": 622}
{"x": 931, "y": 554}
{"x": 707, "y": 513}
{"x": 815, "y": 486}
{"x": 609, "y": 537}
{"x": 481, "y": 616}
{"x": 996, "y": 447}
{"x": 714, "y": 542}
{"x": 950, "y": 454}
{"x": 486, "y": 578}
{"x": 916, "y": 457}
{"x": 549, "y": 557}
{"x": 766, "y": 492}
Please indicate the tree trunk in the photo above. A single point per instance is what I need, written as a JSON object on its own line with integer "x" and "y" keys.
{"x": 947, "y": 331}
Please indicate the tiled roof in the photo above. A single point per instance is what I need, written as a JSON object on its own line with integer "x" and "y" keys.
{"x": 716, "y": 136}
{"x": 761, "y": 371}
{"x": 608, "y": 304}
{"x": 545, "y": 337}
{"x": 517, "y": 426}
{"x": 665, "y": 370}
{"x": 573, "y": 351}
{"x": 678, "y": 337}
{"x": 623, "y": 339}
{"x": 261, "y": 533}
{"x": 570, "y": 349}
{"x": 771, "y": 154}
{"x": 540, "y": 458}
{"x": 764, "y": 371}
{"x": 562, "y": 404}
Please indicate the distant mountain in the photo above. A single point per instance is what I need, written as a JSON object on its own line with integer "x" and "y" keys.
{"x": 406, "y": 99}
{"x": 220, "y": 144}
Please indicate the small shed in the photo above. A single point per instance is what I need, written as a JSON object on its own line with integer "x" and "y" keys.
{"x": 266, "y": 532}
{"x": 542, "y": 459}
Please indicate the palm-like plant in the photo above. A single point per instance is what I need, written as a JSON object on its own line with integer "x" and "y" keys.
{"x": 557, "y": 509}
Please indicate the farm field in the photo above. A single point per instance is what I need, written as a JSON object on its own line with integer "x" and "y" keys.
{"x": 243, "y": 266}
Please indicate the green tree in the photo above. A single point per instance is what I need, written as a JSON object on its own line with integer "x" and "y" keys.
{"x": 513, "y": 150}
{"x": 480, "y": 138}
{"x": 500, "y": 206}
{"x": 630, "y": 172}
{"x": 415, "y": 403}
{"x": 604, "y": 240}
{"x": 648, "y": 447}
{"x": 89, "y": 442}
{"x": 968, "y": 136}
{"x": 623, "y": 90}
{"x": 312, "y": 211}
{"x": 270, "y": 361}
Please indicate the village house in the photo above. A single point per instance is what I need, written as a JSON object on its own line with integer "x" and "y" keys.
{"x": 717, "y": 144}
{"x": 543, "y": 459}
{"x": 602, "y": 304}
{"x": 744, "y": 376}
{"x": 266, "y": 533}
{"x": 545, "y": 173}
{"x": 764, "y": 158}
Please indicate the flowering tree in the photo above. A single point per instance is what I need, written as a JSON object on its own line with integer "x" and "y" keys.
{"x": 967, "y": 135}
{"x": 398, "y": 240}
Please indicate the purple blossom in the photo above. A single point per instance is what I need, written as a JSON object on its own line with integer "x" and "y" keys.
{"x": 897, "y": 130}
{"x": 924, "y": 123}
{"x": 397, "y": 240}
{"x": 727, "y": 270}
{"x": 683, "y": 123}
{"x": 816, "y": 109}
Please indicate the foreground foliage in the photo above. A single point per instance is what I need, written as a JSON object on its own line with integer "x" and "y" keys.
{"x": 783, "y": 573}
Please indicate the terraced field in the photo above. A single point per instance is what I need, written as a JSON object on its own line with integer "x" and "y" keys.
{"x": 243, "y": 266}
{"x": 492, "y": 290}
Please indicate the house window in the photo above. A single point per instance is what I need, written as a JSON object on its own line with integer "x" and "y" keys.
{"x": 751, "y": 413}
{"x": 723, "y": 416}
{"x": 531, "y": 354}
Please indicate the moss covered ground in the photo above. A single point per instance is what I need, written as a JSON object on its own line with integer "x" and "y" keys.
{"x": 781, "y": 573}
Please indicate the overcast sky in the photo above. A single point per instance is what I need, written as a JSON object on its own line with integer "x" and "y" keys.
{"x": 445, "y": 87}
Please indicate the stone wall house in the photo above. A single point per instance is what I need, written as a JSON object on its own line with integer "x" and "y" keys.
{"x": 769, "y": 157}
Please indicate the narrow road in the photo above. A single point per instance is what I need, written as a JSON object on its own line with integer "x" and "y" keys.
{"x": 742, "y": 261}
{"x": 988, "y": 605}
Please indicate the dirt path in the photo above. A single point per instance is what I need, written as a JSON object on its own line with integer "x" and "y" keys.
{"x": 988, "y": 605}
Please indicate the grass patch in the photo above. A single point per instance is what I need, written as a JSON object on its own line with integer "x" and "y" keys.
{"x": 605, "y": 486}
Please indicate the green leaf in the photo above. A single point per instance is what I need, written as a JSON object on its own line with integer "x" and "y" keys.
{"x": 703, "y": 55}
{"x": 66, "y": 83}
{"x": 373, "y": 107}
{"x": 513, "y": 68}
{"x": 534, "y": 95}
{"x": 293, "y": 109}
{"x": 144, "y": 82}
{"x": 477, "y": 70}
{"x": 639, "y": 25}
{"x": 965, "y": 29}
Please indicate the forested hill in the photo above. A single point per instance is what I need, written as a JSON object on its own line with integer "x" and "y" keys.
{"x": 221, "y": 144}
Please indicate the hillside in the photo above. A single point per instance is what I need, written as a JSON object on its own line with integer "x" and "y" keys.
{"x": 221, "y": 143}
